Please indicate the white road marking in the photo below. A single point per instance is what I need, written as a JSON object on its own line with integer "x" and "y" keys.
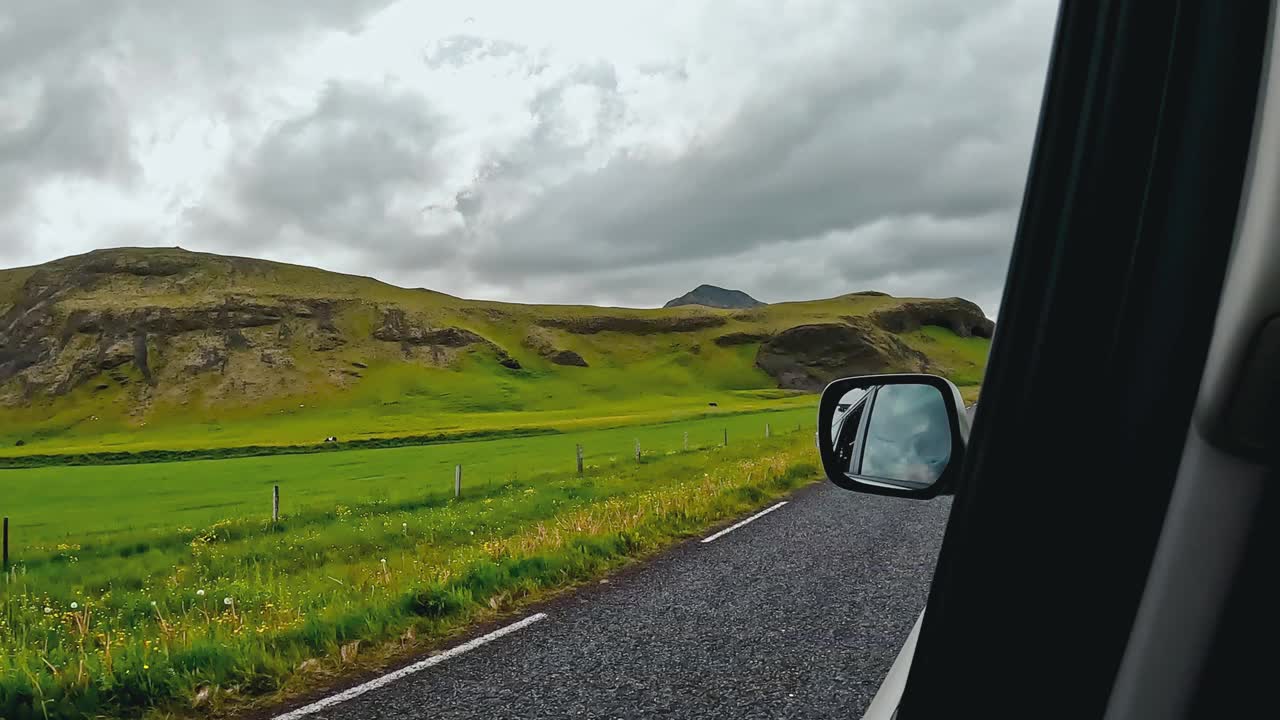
{"x": 753, "y": 518}
{"x": 408, "y": 670}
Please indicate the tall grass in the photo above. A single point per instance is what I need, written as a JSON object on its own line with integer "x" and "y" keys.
{"x": 207, "y": 619}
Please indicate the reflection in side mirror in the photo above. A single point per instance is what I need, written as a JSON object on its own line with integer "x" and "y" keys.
{"x": 908, "y": 436}
{"x": 892, "y": 434}
{"x": 849, "y": 407}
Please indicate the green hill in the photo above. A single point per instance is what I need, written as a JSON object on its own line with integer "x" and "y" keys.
{"x": 134, "y": 349}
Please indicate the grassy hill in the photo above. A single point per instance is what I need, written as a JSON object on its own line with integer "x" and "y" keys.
{"x": 136, "y": 349}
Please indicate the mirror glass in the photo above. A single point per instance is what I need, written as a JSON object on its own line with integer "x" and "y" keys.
{"x": 908, "y": 436}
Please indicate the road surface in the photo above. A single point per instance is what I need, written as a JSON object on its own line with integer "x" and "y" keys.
{"x": 798, "y": 614}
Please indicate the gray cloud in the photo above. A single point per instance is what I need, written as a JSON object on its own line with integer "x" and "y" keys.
{"x": 828, "y": 148}
{"x": 74, "y": 127}
{"x": 60, "y": 118}
{"x": 73, "y": 72}
{"x": 904, "y": 256}
{"x": 841, "y": 147}
{"x": 510, "y": 177}
{"x": 457, "y": 51}
{"x": 350, "y": 170}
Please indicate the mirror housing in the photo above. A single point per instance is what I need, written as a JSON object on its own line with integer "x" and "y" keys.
{"x": 851, "y": 434}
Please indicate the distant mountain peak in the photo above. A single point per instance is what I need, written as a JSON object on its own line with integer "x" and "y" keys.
{"x": 716, "y": 297}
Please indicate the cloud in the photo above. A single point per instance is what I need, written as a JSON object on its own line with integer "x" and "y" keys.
{"x": 78, "y": 78}
{"x": 457, "y": 51}
{"x": 571, "y": 116}
{"x": 562, "y": 152}
{"x": 73, "y": 126}
{"x": 965, "y": 256}
{"x": 349, "y": 171}
{"x": 840, "y": 148}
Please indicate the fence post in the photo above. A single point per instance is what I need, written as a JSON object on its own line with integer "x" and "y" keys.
{"x": 275, "y": 504}
{"x": 686, "y": 440}
{"x": 637, "y": 449}
{"x": 726, "y": 437}
{"x": 6, "y": 544}
{"x": 457, "y": 481}
{"x": 766, "y": 431}
{"x": 579, "y": 459}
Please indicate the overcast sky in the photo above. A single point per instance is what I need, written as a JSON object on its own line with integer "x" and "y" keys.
{"x": 588, "y": 151}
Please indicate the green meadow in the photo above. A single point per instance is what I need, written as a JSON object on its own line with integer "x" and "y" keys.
{"x": 160, "y": 589}
{"x": 61, "y": 504}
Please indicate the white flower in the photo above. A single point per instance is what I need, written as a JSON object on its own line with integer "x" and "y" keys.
{"x": 227, "y": 600}
{"x": 47, "y": 609}
{"x": 75, "y": 605}
{"x": 200, "y": 592}
{"x": 153, "y": 603}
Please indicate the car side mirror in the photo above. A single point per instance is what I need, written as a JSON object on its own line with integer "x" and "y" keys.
{"x": 899, "y": 435}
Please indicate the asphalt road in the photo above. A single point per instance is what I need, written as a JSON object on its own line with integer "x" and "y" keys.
{"x": 796, "y": 615}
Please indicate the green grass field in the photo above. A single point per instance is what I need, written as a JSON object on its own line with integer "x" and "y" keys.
{"x": 351, "y": 418}
{"x": 60, "y": 504}
{"x": 165, "y": 588}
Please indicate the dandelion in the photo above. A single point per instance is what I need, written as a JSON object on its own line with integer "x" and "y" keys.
{"x": 146, "y": 667}
{"x": 200, "y": 592}
{"x": 153, "y": 603}
{"x": 75, "y": 605}
{"x": 227, "y": 601}
{"x": 47, "y": 609}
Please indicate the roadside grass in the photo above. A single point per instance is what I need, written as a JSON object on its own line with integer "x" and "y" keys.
{"x": 208, "y": 618}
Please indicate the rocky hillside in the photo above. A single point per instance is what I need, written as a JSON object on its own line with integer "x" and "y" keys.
{"x": 135, "y": 336}
{"x": 715, "y": 297}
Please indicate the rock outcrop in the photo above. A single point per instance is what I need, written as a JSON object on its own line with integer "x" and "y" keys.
{"x": 540, "y": 341}
{"x": 959, "y": 316}
{"x": 807, "y": 357}
{"x": 633, "y": 324}
{"x": 742, "y": 338}
{"x": 567, "y": 357}
{"x": 397, "y": 327}
{"x": 49, "y": 348}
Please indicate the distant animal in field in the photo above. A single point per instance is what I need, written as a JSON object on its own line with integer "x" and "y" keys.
{"x": 713, "y": 404}
{"x": 331, "y": 439}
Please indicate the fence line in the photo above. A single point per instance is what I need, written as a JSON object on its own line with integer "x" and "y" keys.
{"x": 579, "y": 453}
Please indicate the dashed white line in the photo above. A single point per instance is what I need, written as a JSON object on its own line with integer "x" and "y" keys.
{"x": 408, "y": 670}
{"x": 753, "y": 518}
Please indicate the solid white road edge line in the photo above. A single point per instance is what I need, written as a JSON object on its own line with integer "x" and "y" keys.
{"x": 753, "y": 518}
{"x": 408, "y": 670}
